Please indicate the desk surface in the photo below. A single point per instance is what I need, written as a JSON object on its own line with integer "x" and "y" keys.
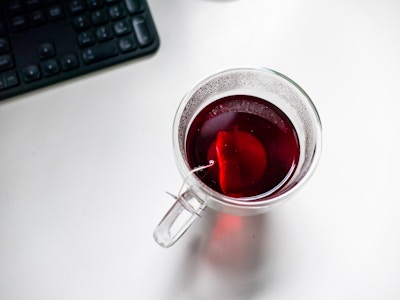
{"x": 84, "y": 165}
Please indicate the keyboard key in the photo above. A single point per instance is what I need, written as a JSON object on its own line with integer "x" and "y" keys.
{"x": 4, "y": 46}
{"x": 86, "y": 39}
{"x": 99, "y": 17}
{"x": 6, "y": 62}
{"x": 31, "y": 73}
{"x": 3, "y": 30}
{"x": 76, "y": 7}
{"x": 11, "y": 79}
{"x": 100, "y": 52}
{"x": 69, "y": 62}
{"x": 46, "y": 50}
{"x": 127, "y": 44}
{"x": 94, "y": 4}
{"x": 104, "y": 33}
{"x": 15, "y": 7}
{"x": 55, "y": 13}
{"x": 143, "y": 34}
{"x": 32, "y": 4}
{"x": 81, "y": 23}
{"x": 116, "y": 12}
{"x": 3, "y": 85}
{"x": 37, "y": 17}
{"x": 122, "y": 28}
{"x": 50, "y": 67}
{"x": 134, "y": 6}
{"x": 18, "y": 23}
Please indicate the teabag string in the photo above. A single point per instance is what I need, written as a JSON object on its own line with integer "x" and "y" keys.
{"x": 180, "y": 197}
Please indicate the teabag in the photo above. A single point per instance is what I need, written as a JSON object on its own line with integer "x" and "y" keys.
{"x": 240, "y": 159}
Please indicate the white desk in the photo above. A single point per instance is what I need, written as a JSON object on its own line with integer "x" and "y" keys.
{"x": 84, "y": 165}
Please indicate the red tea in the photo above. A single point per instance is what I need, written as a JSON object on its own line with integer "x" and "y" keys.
{"x": 253, "y": 144}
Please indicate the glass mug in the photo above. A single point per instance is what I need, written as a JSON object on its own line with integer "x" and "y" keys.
{"x": 219, "y": 181}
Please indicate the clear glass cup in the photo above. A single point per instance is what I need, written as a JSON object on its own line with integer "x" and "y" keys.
{"x": 265, "y": 84}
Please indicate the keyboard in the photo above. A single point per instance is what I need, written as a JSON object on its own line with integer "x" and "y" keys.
{"x": 43, "y": 42}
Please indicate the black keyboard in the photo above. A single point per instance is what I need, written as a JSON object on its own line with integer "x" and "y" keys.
{"x": 43, "y": 42}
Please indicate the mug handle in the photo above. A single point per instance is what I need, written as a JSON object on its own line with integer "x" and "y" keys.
{"x": 178, "y": 219}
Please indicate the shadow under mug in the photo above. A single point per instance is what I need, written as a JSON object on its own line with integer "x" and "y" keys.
{"x": 262, "y": 83}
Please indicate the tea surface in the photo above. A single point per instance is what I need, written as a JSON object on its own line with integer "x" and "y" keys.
{"x": 252, "y": 142}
